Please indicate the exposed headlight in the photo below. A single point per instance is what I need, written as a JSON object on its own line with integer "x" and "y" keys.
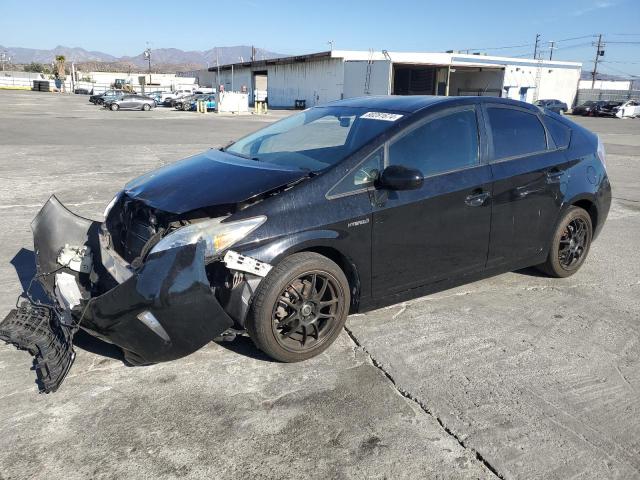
{"x": 217, "y": 236}
{"x": 111, "y": 204}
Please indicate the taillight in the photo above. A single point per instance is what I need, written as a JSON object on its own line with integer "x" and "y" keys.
{"x": 602, "y": 154}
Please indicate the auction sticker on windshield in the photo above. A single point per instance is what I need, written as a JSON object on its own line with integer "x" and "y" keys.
{"x": 389, "y": 117}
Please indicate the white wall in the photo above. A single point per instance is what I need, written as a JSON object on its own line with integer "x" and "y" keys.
{"x": 555, "y": 82}
{"x": 355, "y": 74}
{"x": 316, "y": 81}
{"x": 605, "y": 84}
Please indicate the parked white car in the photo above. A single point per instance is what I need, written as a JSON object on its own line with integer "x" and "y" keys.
{"x": 183, "y": 92}
{"x": 629, "y": 109}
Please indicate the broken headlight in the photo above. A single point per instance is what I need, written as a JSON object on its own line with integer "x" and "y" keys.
{"x": 112, "y": 203}
{"x": 217, "y": 236}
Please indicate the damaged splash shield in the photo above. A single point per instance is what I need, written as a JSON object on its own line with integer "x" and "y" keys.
{"x": 161, "y": 311}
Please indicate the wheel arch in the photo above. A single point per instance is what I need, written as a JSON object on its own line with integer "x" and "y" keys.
{"x": 591, "y": 208}
{"x": 321, "y": 242}
{"x": 346, "y": 265}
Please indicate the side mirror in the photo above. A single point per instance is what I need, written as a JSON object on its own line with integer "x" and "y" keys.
{"x": 397, "y": 177}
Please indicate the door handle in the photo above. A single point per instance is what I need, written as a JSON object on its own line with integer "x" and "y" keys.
{"x": 477, "y": 199}
{"x": 553, "y": 176}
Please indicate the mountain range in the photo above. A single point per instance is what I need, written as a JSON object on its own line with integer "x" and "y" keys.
{"x": 160, "y": 57}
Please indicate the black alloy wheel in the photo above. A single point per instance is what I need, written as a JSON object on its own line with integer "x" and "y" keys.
{"x": 299, "y": 308}
{"x": 306, "y": 311}
{"x": 573, "y": 243}
{"x": 570, "y": 244}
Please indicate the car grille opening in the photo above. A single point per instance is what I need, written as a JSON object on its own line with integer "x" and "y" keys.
{"x": 131, "y": 225}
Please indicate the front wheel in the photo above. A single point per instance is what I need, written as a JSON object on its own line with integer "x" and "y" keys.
{"x": 115, "y": 106}
{"x": 570, "y": 244}
{"x": 146, "y": 107}
{"x": 300, "y": 307}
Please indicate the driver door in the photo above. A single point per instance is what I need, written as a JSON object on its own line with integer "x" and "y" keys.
{"x": 440, "y": 230}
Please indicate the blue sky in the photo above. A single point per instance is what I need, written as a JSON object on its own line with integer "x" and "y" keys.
{"x": 291, "y": 27}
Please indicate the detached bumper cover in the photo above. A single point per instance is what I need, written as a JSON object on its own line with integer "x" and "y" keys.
{"x": 38, "y": 330}
{"x": 163, "y": 311}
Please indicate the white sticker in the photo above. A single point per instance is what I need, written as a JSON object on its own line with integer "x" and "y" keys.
{"x": 388, "y": 117}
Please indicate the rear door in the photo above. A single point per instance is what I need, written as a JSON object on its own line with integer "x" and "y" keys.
{"x": 442, "y": 229}
{"x": 127, "y": 101}
{"x": 528, "y": 172}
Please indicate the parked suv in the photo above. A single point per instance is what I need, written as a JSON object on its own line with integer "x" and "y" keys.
{"x": 553, "y": 105}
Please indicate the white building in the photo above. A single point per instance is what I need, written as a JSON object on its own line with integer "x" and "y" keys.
{"x": 605, "y": 84}
{"x": 322, "y": 77}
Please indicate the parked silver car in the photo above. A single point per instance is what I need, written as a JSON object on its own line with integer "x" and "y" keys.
{"x": 131, "y": 102}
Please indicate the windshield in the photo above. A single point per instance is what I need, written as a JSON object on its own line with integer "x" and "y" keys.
{"x": 316, "y": 138}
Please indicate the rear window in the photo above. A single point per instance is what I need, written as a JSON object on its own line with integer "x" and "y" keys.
{"x": 560, "y": 133}
{"x": 515, "y": 132}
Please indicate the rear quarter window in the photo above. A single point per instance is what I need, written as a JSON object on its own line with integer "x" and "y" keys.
{"x": 560, "y": 133}
{"x": 515, "y": 132}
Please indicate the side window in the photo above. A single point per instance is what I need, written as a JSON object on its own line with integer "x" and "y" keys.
{"x": 559, "y": 131}
{"x": 515, "y": 132}
{"x": 443, "y": 144}
{"x": 362, "y": 176}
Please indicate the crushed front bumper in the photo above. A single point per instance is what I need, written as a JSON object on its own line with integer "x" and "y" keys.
{"x": 164, "y": 310}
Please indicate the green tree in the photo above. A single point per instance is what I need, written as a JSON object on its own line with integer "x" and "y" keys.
{"x": 34, "y": 67}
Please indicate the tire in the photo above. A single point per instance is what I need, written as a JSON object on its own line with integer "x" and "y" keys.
{"x": 146, "y": 107}
{"x": 573, "y": 235}
{"x": 114, "y": 107}
{"x": 287, "y": 319}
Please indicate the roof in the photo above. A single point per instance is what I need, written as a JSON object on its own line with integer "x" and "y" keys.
{"x": 417, "y": 58}
{"x": 398, "y": 103}
{"x": 413, "y": 103}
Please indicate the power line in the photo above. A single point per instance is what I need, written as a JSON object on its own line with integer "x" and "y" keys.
{"x": 576, "y": 38}
{"x": 620, "y": 71}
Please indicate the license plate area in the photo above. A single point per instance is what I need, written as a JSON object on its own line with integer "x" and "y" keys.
{"x": 37, "y": 329}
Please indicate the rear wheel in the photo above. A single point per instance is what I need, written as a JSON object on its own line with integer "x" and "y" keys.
{"x": 115, "y": 106}
{"x": 146, "y": 107}
{"x": 570, "y": 244}
{"x": 300, "y": 308}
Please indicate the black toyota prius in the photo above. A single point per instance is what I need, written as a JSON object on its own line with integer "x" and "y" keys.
{"x": 341, "y": 208}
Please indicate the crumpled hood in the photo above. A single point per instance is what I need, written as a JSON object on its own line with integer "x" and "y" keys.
{"x": 208, "y": 179}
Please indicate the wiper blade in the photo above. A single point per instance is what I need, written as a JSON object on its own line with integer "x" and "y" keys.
{"x": 238, "y": 154}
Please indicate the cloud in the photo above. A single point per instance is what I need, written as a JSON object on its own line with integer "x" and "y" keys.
{"x": 599, "y": 5}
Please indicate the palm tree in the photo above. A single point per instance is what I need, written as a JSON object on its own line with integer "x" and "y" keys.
{"x": 59, "y": 72}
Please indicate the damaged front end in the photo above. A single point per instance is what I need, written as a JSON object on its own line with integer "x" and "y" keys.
{"x": 156, "y": 287}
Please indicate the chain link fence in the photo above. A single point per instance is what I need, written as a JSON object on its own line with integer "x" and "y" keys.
{"x": 585, "y": 95}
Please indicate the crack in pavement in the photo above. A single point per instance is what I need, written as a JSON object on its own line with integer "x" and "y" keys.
{"x": 422, "y": 406}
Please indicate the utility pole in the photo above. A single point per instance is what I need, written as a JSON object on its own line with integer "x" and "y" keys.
{"x": 4, "y": 59}
{"x": 147, "y": 55}
{"x": 599, "y": 53}
{"x": 551, "y": 47}
{"x": 535, "y": 48}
